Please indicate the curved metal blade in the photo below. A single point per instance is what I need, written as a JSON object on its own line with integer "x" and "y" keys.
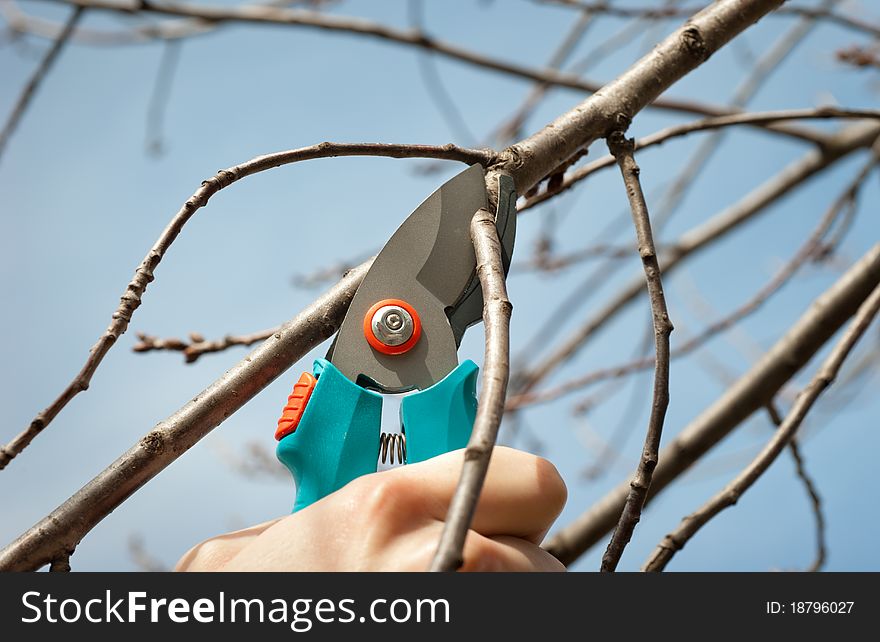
{"x": 469, "y": 310}
{"x": 429, "y": 263}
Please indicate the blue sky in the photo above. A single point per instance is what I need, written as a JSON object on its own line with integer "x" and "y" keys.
{"x": 82, "y": 201}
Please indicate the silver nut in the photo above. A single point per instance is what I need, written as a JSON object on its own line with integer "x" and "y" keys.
{"x": 392, "y": 325}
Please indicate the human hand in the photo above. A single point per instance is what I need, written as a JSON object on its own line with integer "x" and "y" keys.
{"x": 391, "y": 521}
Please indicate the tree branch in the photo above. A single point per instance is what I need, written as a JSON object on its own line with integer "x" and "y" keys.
{"x": 728, "y": 496}
{"x": 496, "y": 368}
{"x": 39, "y": 74}
{"x": 813, "y": 248}
{"x": 744, "y": 92}
{"x": 750, "y": 393}
{"x": 269, "y": 15}
{"x": 614, "y": 107}
{"x": 660, "y": 137}
{"x": 844, "y": 143}
{"x": 64, "y": 527}
{"x": 131, "y": 298}
{"x": 622, "y": 149}
{"x": 668, "y": 12}
{"x": 198, "y": 345}
{"x": 815, "y": 500}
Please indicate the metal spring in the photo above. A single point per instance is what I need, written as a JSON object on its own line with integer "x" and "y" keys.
{"x": 391, "y": 444}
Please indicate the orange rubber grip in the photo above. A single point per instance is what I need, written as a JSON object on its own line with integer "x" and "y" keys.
{"x": 296, "y": 405}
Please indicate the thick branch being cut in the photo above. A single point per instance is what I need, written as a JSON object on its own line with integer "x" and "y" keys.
{"x": 622, "y": 149}
{"x": 496, "y": 368}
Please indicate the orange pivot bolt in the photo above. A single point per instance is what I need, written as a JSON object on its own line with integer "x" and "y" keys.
{"x": 392, "y": 326}
{"x": 296, "y": 405}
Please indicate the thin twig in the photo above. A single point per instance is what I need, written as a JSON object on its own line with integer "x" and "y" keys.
{"x": 433, "y": 82}
{"x": 38, "y": 76}
{"x": 545, "y": 261}
{"x": 677, "y": 131}
{"x": 813, "y": 248}
{"x": 496, "y": 368}
{"x": 860, "y": 56}
{"x": 165, "y": 30}
{"x": 512, "y": 126}
{"x": 131, "y": 298}
{"x": 800, "y": 468}
{"x": 161, "y": 95}
{"x": 198, "y": 345}
{"x": 728, "y": 496}
{"x": 749, "y": 394}
{"x": 622, "y": 149}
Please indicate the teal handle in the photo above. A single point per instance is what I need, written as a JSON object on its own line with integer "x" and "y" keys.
{"x": 440, "y": 418}
{"x": 337, "y": 439}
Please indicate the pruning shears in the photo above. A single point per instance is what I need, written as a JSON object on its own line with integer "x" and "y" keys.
{"x": 401, "y": 333}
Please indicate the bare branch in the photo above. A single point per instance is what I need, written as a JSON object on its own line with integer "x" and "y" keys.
{"x": 160, "y": 97}
{"x": 815, "y": 500}
{"x": 37, "y": 77}
{"x": 844, "y": 143}
{"x": 264, "y": 14}
{"x": 859, "y": 56}
{"x": 167, "y": 30}
{"x": 131, "y": 298}
{"x": 330, "y": 273}
{"x": 496, "y": 368}
{"x": 612, "y": 109}
{"x": 198, "y": 345}
{"x": 545, "y": 261}
{"x": 744, "y": 92}
{"x": 622, "y": 149}
{"x": 813, "y": 249}
{"x": 677, "y": 131}
{"x": 433, "y": 81}
{"x": 64, "y": 527}
{"x": 512, "y": 126}
{"x": 731, "y": 493}
{"x": 750, "y": 393}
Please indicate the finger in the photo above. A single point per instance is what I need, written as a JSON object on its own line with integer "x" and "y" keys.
{"x": 506, "y": 554}
{"x": 522, "y": 495}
